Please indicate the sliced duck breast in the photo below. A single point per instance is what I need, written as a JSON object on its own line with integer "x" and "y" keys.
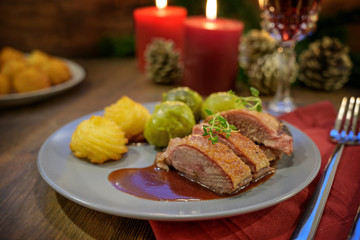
{"x": 214, "y": 166}
{"x": 247, "y": 150}
{"x": 261, "y": 128}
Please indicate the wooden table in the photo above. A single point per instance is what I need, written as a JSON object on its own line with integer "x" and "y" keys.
{"x": 29, "y": 208}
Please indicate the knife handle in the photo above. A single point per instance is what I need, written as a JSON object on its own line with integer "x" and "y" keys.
{"x": 306, "y": 229}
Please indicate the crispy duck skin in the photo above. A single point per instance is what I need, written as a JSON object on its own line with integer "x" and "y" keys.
{"x": 214, "y": 166}
{"x": 261, "y": 128}
{"x": 247, "y": 150}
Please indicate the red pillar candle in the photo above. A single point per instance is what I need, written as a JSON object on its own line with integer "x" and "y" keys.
{"x": 154, "y": 22}
{"x": 211, "y": 54}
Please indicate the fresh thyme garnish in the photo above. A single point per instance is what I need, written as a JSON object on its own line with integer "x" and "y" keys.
{"x": 252, "y": 102}
{"x": 217, "y": 124}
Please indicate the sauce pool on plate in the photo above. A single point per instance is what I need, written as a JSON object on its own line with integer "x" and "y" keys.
{"x": 156, "y": 184}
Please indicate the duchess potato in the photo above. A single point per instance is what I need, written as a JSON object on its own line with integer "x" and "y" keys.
{"x": 38, "y": 58}
{"x": 13, "y": 67}
{"x": 9, "y": 53}
{"x": 57, "y": 70}
{"x": 30, "y": 79}
{"x": 130, "y": 116}
{"x": 98, "y": 140}
{"x": 5, "y": 86}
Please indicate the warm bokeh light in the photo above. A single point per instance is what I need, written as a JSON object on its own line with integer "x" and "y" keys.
{"x": 161, "y": 4}
{"x": 261, "y": 4}
{"x": 211, "y": 9}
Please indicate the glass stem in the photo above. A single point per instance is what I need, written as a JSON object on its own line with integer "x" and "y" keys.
{"x": 282, "y": 101}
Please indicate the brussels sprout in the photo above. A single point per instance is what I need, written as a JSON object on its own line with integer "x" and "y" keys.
{"x": 170, "y": 119}
{"x": 220, "y": 101}
{"x": 187, "y": 96}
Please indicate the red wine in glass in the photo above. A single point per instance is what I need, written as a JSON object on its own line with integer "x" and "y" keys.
{"x": 290, "y": 20}
{"x": 287, "y": 21}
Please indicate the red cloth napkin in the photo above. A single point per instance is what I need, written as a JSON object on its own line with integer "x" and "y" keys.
{"x": 279, "y": 221}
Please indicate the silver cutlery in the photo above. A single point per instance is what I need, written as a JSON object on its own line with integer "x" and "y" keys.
{"x": 354, "y": 233}
{"x": 345, "y": 132}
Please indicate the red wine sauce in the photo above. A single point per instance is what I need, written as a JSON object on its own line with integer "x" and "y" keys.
{"x": 156, "y": 184}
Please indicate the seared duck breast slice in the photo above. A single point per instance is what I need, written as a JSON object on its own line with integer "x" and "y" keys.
{"x": 261, "y": 128}
{"x": 271, "y": 153}
{"x": 247, "y": 150}
{"x": 214, "y": 166}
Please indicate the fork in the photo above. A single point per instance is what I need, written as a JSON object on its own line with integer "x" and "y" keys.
{"x": 345, "y": 132}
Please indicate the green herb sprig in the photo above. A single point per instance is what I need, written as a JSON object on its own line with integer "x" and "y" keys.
{"x": 252, "y": 102}
{"x": 217, "y": 125}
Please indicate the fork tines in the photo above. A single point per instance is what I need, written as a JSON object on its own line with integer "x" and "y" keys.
{"x": 347, "y": 129}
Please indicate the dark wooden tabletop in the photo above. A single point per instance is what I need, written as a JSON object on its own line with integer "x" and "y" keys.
{"x": 29, "y": 208}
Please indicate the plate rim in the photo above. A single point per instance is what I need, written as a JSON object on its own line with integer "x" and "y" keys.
{"x": 171, "y": 217}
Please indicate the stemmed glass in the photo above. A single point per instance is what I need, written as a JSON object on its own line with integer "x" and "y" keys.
{"x": 287, "y": 21}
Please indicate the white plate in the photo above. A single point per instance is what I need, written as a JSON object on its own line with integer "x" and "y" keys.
{"x": 17, "y": 99}
{"x": 87, "y": 184}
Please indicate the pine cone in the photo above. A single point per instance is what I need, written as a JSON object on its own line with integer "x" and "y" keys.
{"x": 255, "y": 44}
{"x": 162, "y": 62}
{"x": 325, "y": 65}
{"x": 264, "y": 73}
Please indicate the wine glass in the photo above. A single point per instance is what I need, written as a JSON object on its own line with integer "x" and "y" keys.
{"x": 287, "y": 21}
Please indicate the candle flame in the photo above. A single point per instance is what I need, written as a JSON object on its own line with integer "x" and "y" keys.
{"x": 211, "y": 9}
{"x": 161, "y": 4}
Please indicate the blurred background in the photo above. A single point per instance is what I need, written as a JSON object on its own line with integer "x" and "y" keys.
{"x": 104, "y": 28}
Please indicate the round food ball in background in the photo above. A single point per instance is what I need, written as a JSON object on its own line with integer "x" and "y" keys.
{"x": 9, "y": 54}
{"x": 30, "y": 79}
{"x": 169, "y": 120}
{"x": 57, "y": 70}
{"x": 38, "y": 58}
{"x": 13, "y": 67}
{"x": 4, "y": 84}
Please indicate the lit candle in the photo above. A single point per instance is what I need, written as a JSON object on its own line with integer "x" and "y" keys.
{"x": 161, "y": 21}
{"x": 211, "y": 52}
